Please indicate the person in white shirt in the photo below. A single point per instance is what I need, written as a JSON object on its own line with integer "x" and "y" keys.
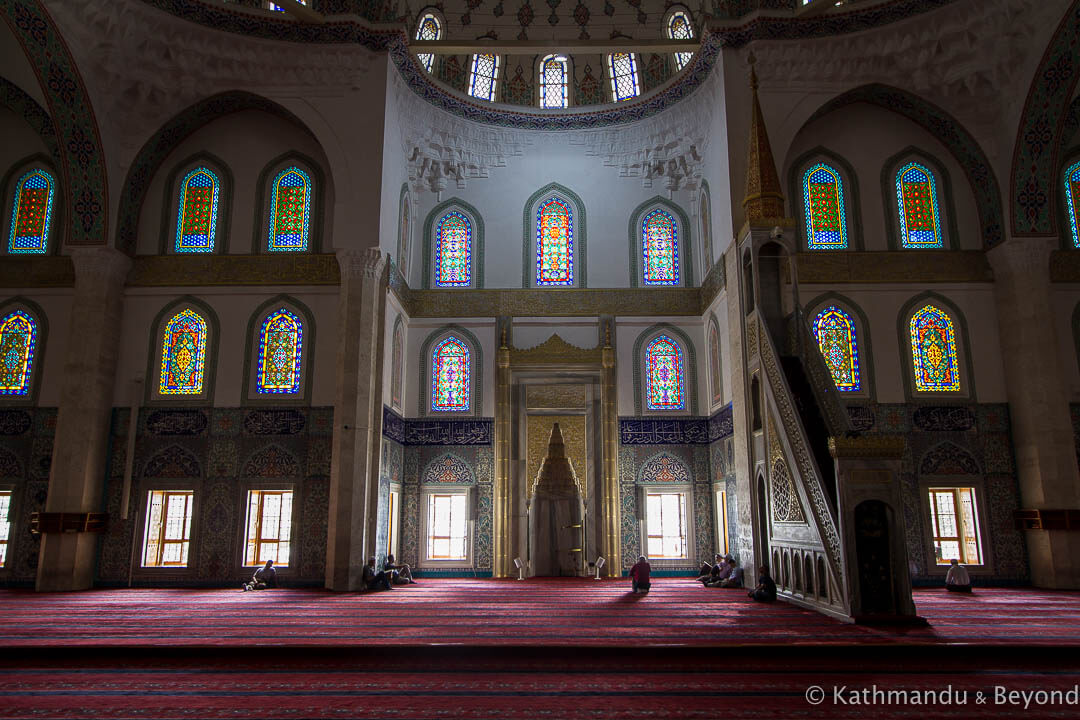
{"x": 957, "y": 579}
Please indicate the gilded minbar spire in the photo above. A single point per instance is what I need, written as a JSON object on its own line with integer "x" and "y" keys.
{"x": 764, "y": 202}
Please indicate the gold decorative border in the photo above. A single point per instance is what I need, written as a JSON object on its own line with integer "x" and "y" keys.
{"x": 909, "y": 266}
{"x": 37, "y": 272}
{"x": 200, "y": 270}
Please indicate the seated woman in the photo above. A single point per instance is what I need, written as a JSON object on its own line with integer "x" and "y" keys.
{"x": 734, "y": 578}
{"x": 639, "y": 575}
{"x": 711, "y": 572}
{"x": 957, "y": 579}
{"x": 399, "y": 574}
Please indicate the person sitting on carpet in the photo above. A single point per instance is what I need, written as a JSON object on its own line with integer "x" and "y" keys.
{"x": 734, "y": 577}
{"x": 639, "y": 575}
{"x": 264, "y": 577}
{"x": 957, "y": 579}
{"x": 399, "y": 574}
{"x": 711, "y": 572}
{"x": 766, "y": 588}
{"x": 375, "y": 579}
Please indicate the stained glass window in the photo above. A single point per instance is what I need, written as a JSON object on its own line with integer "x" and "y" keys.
{"x": 197, "y": 211}
{"x": 281, "y": 349}
{"x": 183, "y": 354}
{"x": 624, "y": 76}
{"x": 290, "y": 211}
{"x": 916, "y": 197}
{"x": 665, "y": 375}
{"x": 18, "y": 340}
{"x": 1072, "y": 198}
{"x": 679, "y": 28}
{"x": 554, "y": 243}
{"x": 823, "y": 198}
{"x": 933, "y": 349}
{"x": 428, "y": 29}
{"x": 397, "y": 354}
{"x": 31, "y": 213}
{"x": 660, "y": 249}
{"x": 553, "y": 82}
{"x": 485, "y": 70}
{"x": 453, "y": 251}
{"x": 450, "y": 376}
{"x": 835, "y": 333}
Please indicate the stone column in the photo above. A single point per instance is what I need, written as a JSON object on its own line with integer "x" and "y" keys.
{"x": 611, "y": 544}
{"x": 503, "y": 503}
{"x": 1038, "y": 403}
{"x": 741, "y": 406}
{"x": 354, "y": 466}
{"x": 77, "y": 475}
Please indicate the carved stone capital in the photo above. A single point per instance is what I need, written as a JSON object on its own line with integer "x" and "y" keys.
{"x": 100, "y": 265}
{"x": 1023, "y": 258}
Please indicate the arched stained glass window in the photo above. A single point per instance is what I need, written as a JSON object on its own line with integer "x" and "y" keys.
{"x": 18, "y": 340}
{"x": 281, "y": 343}
{"x": 453, "y": 251}
{"x": 665, "y": 375}
{"x": 823, "y": 198}
{"x": 836, "y": 336}
{"x": 554, "y": 243}
{"x": 485, "y": 71}
{"x": 428, "y": 29}
{"x": 1072, "y": 200}
{"x": 679, "y": 28}
{"x": 450, "y": 376}
{"x": 660, "y": 249}
{"x": 290, "y": 211}
{"x": 933, "y": 350}
{"x": 31, "y": 213}
{"x": 622, "y": 69}
{"x": 397, "y": 354}
{"x": 196, "y": 220}
{"x": 916, "y": 200}
{"x": 553, "y": 82}
{"x": 183, "y": 354}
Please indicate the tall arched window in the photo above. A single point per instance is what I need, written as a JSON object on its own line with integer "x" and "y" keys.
{"x": 485, "y": 72}
{"x": 1072, "y": 200}
{"x": 554, "y": 243}
{"x": 836, "y": 336}
{"x": 18, "y": 340}
{"x": 281, "y": 343}
{"x": 450, "y": 371}
{"x": 397, "y": 356}
{"x": 428, "y": 28}
{"x": 679, "y": 28}
{"x": 196, "y": 220}
{"x": 665, "y": 375}
{"x": 290, "y": 211}
{"x": 917, "y": 202}
{"x": 31, "y": 213}
{"x": 933, "y": 351}
{"x": 660, "y": 249}
{"x": 553, "y": 86}
{"x": 622, "y": 69}
{"x": 183, "y": 354}
{"x": 453, "y": 251}
{"x": 823, "y": 198}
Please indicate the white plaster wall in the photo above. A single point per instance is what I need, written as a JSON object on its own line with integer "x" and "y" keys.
{"x": 394, "y": 174}
{"x": 418, "y": 332}
{"x": 717, "y": 161}
{"x": 627, "y": 331}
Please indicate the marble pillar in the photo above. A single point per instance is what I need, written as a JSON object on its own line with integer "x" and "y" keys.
{"x": 610, "y": 508}
{"x": 740, "y": 403}
{"x": 502, "y": 521}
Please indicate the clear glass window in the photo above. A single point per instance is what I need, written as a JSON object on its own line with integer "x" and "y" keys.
{"x": 448, "y": 527}
{"x": 168, "y": 528}
{"x": 269, "y": 527}
{"x": 665, "y": 518}
{"x": 955, "y": 526}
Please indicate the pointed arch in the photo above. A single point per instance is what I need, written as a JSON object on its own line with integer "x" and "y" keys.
{"x": 429, "y": 26}
{"x": 674, "y": 355}
{"x": 705, "y": 216}
{"x": 197, "y": 222}
{"x": 833, "y": 319}
{"x": 484, "y": 76}
{"x": 462, "y": 355}
{"x": 279, "y": 357}
{"x": 716, "y": 375}
{"x": 31, "y": 201}
{"x": 913, "y": 180}
{"x": 828, "y": 201}
{"x": 554, "y": 239}
{"x": 660, "y": 245}
{"x": 623, "y": 74}
{"x": 1071, "y": 181}
{"x": 453, "y": 244}
{"x": 934, "y": 336}
{"x": 554, "y": 82}
{"x": 183, "y": 354}
{"x": 678, "y": 25}
{"x": 405, "y": 230}
{"x": 23, "y": 331}
{"x": 397, "y": 361}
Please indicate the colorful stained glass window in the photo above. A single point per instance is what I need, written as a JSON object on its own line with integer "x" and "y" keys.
{"x": 660, "y": 249}
{"x": 197, "y": 212}
{"x": 554, "y": 243}
{"x": 553, "y": 82}
{"x": 933, "y": 349}
{"x": 281, "y": 349}
{"x": 916, "y": 197}
{"x": 453, "y": 251}
{"x": 290, "y": 211}
{"x": 428, "y": 29}
{"x": 665, "y": 375}
{"x": 835, "y": 333}
{"x": 31, "y": 213}
{"x": 18, "y": 340}
{"x": 183, "y": 354}
{"x": 1072, "y": 200}
{"x": 485, "y": 70}
{"x": 823, "y": 198}
{"x": 450, "y": 376}
{"x": 679, "y": 28}
{"x": 397, "y": 354}
{"x": 622, "y": 69}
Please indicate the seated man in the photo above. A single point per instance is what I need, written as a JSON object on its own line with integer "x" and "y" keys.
{"x": 734, "y": 577}
{"x": 957, "y": 579}
{"x": 639, "y": 575}
{"x": 766, "y": 588}
{"x": 710, "y": 572}
{"x": 399, "y": 574}
{"x": 375, "y": 579}
{"x": 264, "y": 577}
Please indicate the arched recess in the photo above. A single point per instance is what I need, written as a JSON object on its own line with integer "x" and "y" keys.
{"x": 397, "y": 365}
{"x": 264, "y": 195}
{"x": 476, "y": 222}
{"x": 253, "y": 350}
{"x": 529, "y": 233}
{"x": 950, "y": 133}
{"x": 943, "y": 191}
{"x": 41, "y": 327}
{"x": 705, "y": 218}
{"x": 476, "y": 372}
{"x": 716, "y": 365}
{"x": 683, "y": 246}
{"x": 82, "y": 160}
{"x": 406, "y": 220}
{"x": 157, "y": 148}
{"x": 851, "y": 204}
{"x": 205, "y": 396}
{"x": 966, "y": 393}
{"x": 862, "y": 339}
{"x": 170, "y": 205}
{"x": 689, "y": 368}
{"x": 56, "y": 215}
